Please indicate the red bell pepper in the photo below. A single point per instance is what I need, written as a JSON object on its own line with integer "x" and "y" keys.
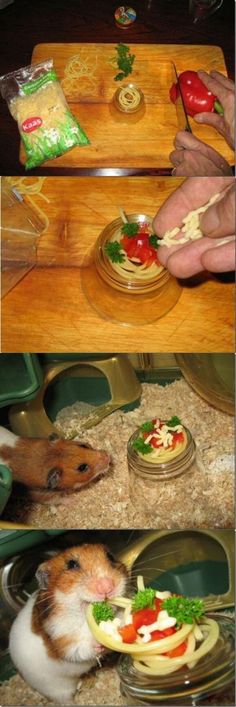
{"x": 176, "y": 652}
{"x": 144, "y": 617}
{"x": 128, "y": 633}
{"x": 196, "y": 97}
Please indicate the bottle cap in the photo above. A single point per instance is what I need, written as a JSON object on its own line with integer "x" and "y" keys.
{"x": 125, "y": 16}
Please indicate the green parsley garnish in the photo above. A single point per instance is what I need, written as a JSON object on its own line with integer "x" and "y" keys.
{"x": 140, "y": 446}
{"x": 143, "y": 598}
{"x": 130, "y": 229}
{"x": 147, "y": 426}
{"x": 124, "y": 61}
{"x": 102, "y": 611}
{"x": 184, "y": 610}
{"x": 114, "y": 251}
{"x": 153, "y": 240}
{"x": 173, "y": 421}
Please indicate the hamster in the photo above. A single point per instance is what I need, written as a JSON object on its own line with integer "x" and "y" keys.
{"x": 50, "y": 641}
{"x": 51, "y": 468}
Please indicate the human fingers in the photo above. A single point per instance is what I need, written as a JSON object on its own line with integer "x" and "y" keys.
{"x": 193, "y": 163}
{"x": 189, "y": 195}
{"x": 220, "y": 259}
{"x": 213, "y": 85}
{"x": 219, "y": 219}
{"x": 223, "y": 80}
{"x": 188, "y": 141}
{"x": 213, "y": 119}
{"x": 185, "y": 261}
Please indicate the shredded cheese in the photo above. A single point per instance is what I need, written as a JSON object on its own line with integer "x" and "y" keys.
{"x": 190, "y": 229}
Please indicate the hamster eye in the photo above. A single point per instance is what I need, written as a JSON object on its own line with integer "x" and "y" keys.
{"x": 86, "y": 446}
{"x": 111, "y": 558}
{"x": 72, "y": 565}
{"x": 83, "y": 467}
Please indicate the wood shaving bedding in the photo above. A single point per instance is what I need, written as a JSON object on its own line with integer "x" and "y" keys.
{"x": 190, "y": 228}
{"x": 206, "y": 501}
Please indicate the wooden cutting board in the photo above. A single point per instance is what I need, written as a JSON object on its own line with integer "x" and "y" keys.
{"x": 48, "y": 311}
{"x": 142, "y": 140}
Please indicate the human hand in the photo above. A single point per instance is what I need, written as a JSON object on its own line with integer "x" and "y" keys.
{"x": 193, "y": 157}
{"x": 217, "y": 223}
{"x": 224, "y": 89}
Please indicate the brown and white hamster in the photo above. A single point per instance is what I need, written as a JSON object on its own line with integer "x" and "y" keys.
{"x": 50, "y": 641}
{"x": 51, "y": 468}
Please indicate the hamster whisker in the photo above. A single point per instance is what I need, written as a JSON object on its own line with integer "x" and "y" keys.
{"x": 134, "y": 575}
{"x": 156, "y": 557}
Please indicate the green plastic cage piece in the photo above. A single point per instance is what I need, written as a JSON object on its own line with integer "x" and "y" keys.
{"x": 20, "y": 377}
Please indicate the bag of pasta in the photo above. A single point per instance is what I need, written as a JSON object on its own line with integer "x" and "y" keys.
{"x": 36, "y": 100}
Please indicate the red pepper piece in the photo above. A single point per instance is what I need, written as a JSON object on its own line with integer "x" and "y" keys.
{"x": 177, "y": 438}
{"x": 157, "y": 635}
{"x": 128, "y": 633}
{"x": 169, "y": 631}
{"x": 144, "y": 617}
{"x": 158, "y": 604}
{"x": 179, "y": 650}
{"x": 196, "y": 97}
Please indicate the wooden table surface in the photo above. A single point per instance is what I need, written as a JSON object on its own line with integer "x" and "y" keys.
{"x": 47, "y": 311}
{"x": 144, "y": 139}
{"x": 25, "y": 24}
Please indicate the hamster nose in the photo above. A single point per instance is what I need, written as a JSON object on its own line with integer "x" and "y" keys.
{"x": 104, "y": 585}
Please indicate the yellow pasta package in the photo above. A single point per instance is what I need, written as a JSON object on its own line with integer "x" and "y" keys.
{"x": 37, "y": 102}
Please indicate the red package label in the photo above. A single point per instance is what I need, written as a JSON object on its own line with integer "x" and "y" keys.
{"x": 31, "y": 124}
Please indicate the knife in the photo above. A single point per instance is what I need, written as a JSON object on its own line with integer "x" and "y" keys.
{"x": 183, "y": 121}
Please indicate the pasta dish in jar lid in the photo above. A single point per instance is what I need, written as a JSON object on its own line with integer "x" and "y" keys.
{"x": 159, "y": 451}
{"x": 171, "y": 646}
{"x": 126, "y": 282}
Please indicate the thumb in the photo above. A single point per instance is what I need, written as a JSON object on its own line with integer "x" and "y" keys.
{"x": 212, "y": 119}
{"x": 219, "y": 219}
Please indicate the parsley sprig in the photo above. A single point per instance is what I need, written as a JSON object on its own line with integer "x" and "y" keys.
{"x": 153, "y": 240}
{"x": 147, "y": 426}
{"x": 130, "y": 229}
{"x": 140, "y": 446}
{"x": 114, "y": 251}
{"x": 102, "y": 611}
{"x": 124, "y": 61}
{"x": 173, "y": 421}
{"x": 143, "y": 598}
{"x": 184, "y": 610}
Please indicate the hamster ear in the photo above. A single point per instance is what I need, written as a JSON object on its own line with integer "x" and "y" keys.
{"x": 53, "y": 477}
{"x": 42, "y": 575}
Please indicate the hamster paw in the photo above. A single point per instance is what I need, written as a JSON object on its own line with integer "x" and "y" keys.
{"x": 79, "y": 685}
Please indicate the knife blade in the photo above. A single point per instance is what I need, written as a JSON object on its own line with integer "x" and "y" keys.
{"x": 183, "y": 121}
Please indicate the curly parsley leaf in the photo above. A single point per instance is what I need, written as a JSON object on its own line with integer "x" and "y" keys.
{"x": 153, "y": 240}
{"x": 144, "y": 598}
{"x": 102, "y": 611}
{"x": 124, "y": 61}
{"x": 130, "y": 229}
{"x": 114, "y": 251}
{"x": 184, "y": 610}
{"x": 147, "y": 426}
{"x": 140, "y": 446}
{"x": 173, "y": 421}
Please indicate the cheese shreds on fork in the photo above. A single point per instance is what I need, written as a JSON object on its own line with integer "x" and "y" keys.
{"x": 190, "y": 228}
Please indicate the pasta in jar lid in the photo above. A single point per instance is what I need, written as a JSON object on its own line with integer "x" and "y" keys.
{"x": 37, "y": 102}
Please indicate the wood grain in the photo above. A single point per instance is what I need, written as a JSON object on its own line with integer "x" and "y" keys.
{"x": 47, "y": 311}
{"x": 143, "y": 139}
